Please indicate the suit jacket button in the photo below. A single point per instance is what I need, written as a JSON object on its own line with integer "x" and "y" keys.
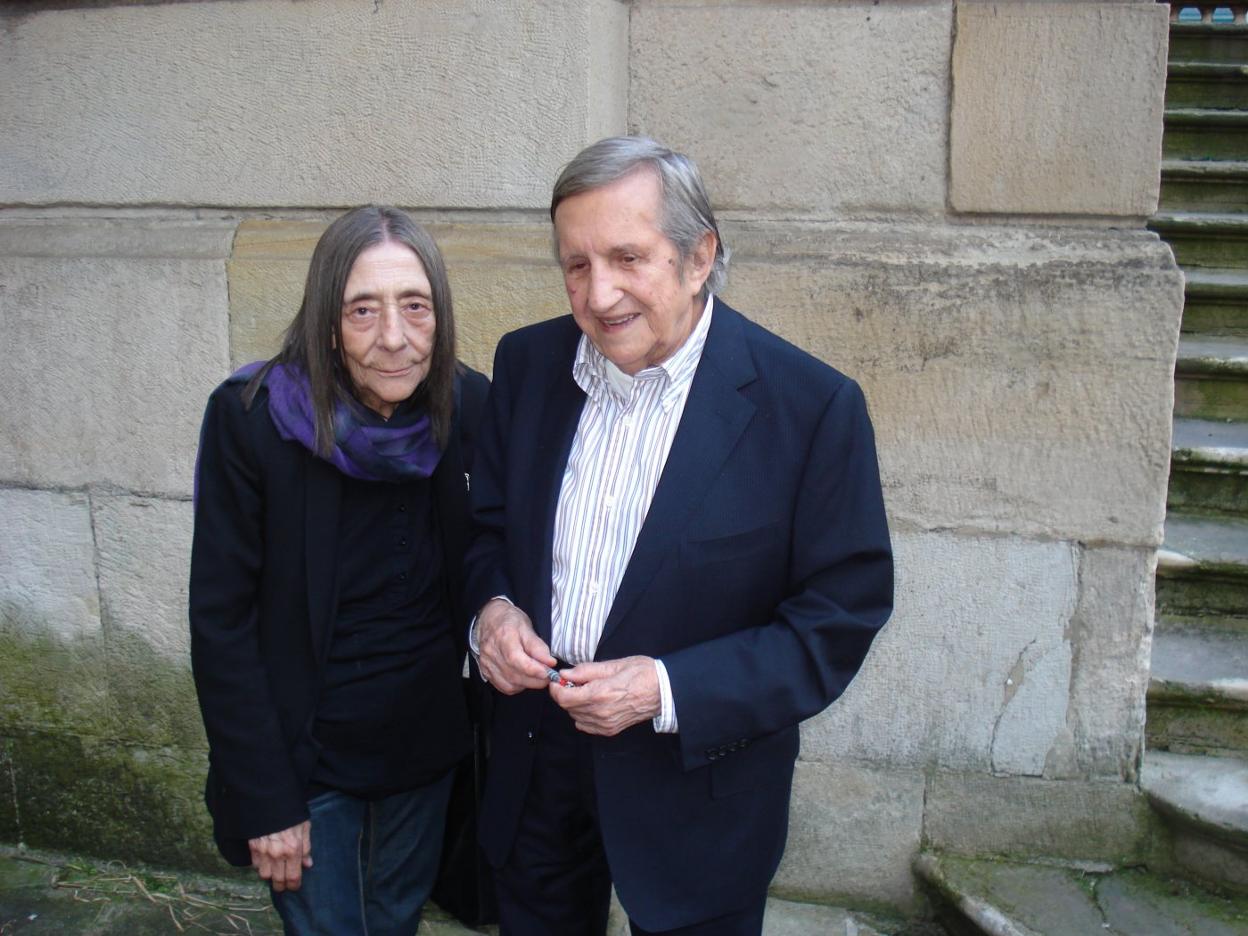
{"x": 532, "y": 737}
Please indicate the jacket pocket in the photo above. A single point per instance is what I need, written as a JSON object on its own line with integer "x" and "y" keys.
{"x": 733, "y": 546}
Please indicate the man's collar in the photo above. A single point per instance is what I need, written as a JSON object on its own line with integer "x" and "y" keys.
{"x": 595, "y": 374}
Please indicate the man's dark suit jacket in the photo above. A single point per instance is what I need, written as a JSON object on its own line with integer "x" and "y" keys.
{"x": 760, "y": 577}
{"x": 263, "y": 596}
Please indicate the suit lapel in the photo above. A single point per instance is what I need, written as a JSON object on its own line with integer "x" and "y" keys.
{"x": 715, "y": 416}
{"x": 323, "y": 498}
{"x": 560, "y": 417}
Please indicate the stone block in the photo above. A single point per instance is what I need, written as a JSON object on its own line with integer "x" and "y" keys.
{"x": 807, "y": 109}
{"x": 1057, "y": 107}
{"x": 1019, "y": 380}
{"x": 472, "y": 103}
{"x": 51, "y": 643}
{"x": 1111, "y": 638}
{"x": 144, "y": 563}
{"x": 853, "y": 833}
{"x": 502, "y": 276}
{"x": 979, "y": 815}
{"x": 99, "y": 797}
{"x": 973, "y": 670}
{"x": 117, "y": 332}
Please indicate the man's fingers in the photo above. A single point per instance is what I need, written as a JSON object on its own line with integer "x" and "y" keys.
{"x": 513, "y": 657}
{"x": 536, "y": 649}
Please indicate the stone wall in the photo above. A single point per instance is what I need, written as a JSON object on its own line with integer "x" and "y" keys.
{"x": 945, "y": 201}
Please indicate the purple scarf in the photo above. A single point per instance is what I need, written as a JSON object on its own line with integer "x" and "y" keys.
{"x": 370, "y": 453}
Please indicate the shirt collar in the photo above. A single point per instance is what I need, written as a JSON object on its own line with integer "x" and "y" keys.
{"x": 598, "y": 377}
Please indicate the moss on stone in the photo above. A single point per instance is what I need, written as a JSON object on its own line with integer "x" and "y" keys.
{"x": 106, "y": 798}
{"x": 151, "y": 698}
{"x": 51, "y": 685}
{"x": 112, "y": 686}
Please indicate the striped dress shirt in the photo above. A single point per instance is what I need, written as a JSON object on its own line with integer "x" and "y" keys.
{"x": 621, "y": 445}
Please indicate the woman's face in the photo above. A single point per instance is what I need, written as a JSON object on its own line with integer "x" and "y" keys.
{"x": 387, "y": 325}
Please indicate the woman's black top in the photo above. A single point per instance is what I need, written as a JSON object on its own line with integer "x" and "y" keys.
{"x": 392, "y": 613}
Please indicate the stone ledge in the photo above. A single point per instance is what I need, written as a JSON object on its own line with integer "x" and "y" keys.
{"x": 1010, "y": 899}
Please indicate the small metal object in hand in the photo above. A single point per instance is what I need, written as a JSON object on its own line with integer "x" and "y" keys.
{"x": 553, "y": 676}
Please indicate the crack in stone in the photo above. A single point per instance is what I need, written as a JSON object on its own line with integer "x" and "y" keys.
{"x": 17, "y": 812}
{"x": 1013, "y": 680}
{"x": 1096, "y": 902}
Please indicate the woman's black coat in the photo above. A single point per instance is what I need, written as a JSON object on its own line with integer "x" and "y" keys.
{"x": 262, "y": 603}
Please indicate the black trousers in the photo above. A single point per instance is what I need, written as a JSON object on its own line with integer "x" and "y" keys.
{"x": 556, "y": 881}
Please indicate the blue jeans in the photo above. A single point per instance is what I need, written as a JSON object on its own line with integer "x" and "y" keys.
{"x": 374, "y": 864}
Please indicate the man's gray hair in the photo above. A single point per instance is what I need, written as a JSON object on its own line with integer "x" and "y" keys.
{"x": 686, "y": 213}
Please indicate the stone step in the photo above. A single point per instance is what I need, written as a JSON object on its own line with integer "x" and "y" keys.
{"x": 1209, "y": 467}
{"x": 1215, "y": 302}
{"x": 1202, "y": 570}
{"x": 1211, "y": 378}
{"x": 1217, "y": 240}
{"x": 1207, "y": 84}
{"x": 1204, "y": 185}
{"x": 982, "y": 897}
{"x": 1204, "y": 801}
{"x": 1198, "y": 692}
{"x": 1196, "y": 42}
{"x": 1205, "y": 133}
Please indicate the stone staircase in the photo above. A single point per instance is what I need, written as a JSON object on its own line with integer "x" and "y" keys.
{"x": 1195, "y": 766}
{"x": 1195, "y": 769}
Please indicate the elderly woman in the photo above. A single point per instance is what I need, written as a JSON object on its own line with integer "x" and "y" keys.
{"x": 327, "y": 636}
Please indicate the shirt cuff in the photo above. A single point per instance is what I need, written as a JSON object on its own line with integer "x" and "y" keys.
{"x": 474, "y": 645}
{"x": 665, "y": 721}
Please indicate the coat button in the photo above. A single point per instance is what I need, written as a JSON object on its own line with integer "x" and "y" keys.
{"x": 532, "y": 737}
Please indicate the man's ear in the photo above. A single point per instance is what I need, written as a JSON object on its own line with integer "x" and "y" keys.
{"x": 701, "y": 260}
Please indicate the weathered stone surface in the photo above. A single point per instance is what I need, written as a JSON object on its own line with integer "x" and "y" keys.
{"x": 807, "y": 109}
{"x": 1110, "y": 634}
{"x": 47, "y": 565}
{"x": 116, "y": 333}
{"x": 979, "y": 642}
{"x": 103, "y": 798}
{"x": 51, "y": 660}
{"x": 502, "y": 276}
{"x": 789, "y": 918}
{"x": 1057, "y": 107}
{"x": 853, "y": 832}
{"x": 1013, "y": 899}
{"x": 144, "y": 561}
{"x": 467, "y": 103}
{"x": 977, "y": 814}
{"x": 1019, "y": 380}
{"x": 1138, "y": 903}
{"x": 1007, "y": 899}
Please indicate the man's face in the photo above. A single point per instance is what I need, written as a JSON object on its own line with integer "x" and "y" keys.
{"x": 623, "y": 275}
{"x": 387, "y": 325}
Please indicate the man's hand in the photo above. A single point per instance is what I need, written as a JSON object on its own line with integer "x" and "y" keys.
{"x": 513, "y": 658}
{"x": 609, "y": 697}
{"x": 280, "y": 857}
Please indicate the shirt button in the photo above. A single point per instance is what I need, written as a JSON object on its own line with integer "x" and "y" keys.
{"x": 402, "y": 540}
{"x": 402, "y": 508}
{"x": 593, "y": 588}
{"x": 402, "y": 576}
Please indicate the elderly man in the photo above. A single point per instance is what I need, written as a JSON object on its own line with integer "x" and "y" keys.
{"x": 681, "y": 552}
